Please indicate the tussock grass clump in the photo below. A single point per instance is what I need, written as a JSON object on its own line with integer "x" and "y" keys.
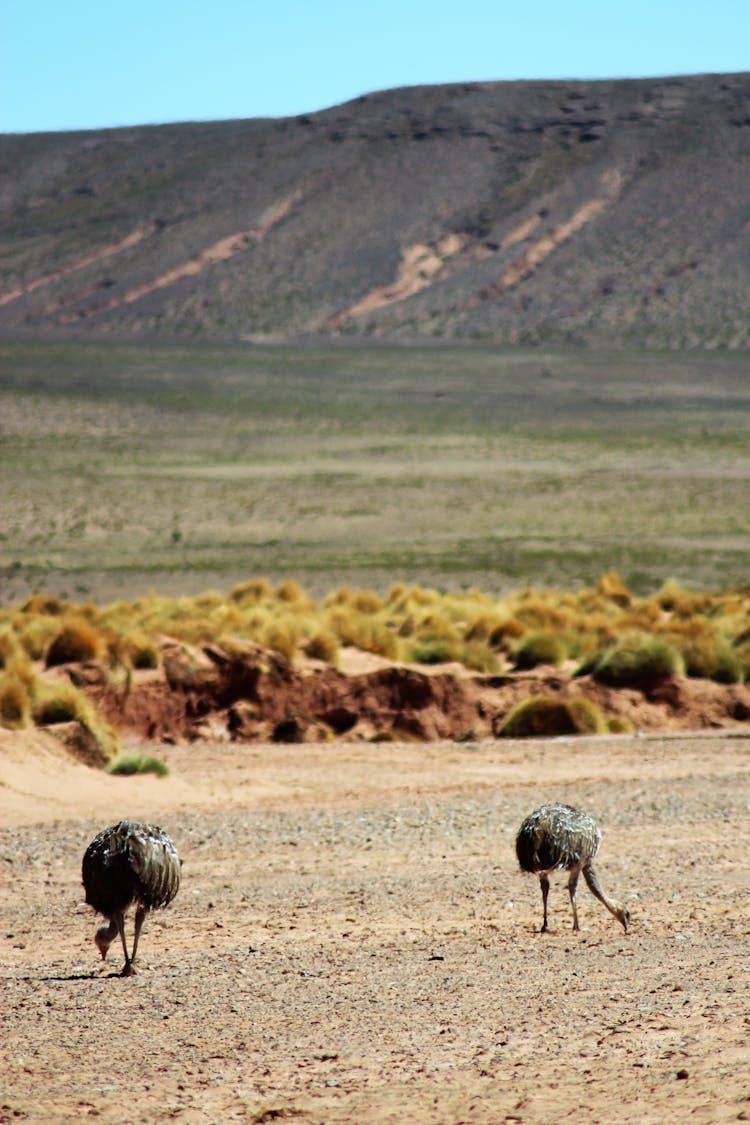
{"x": 638, "y": 661}
{"x": 141, "y": 651}
{"x": 479, "y": 658}
{"x": 528, "y": 628}
{"x": 43, "y": 605}
{"x": 743, "y": 656}
{"x": 127, "y": 765}
{"x": 369, "y": 633}
{"x": 540, "y": 647}
{"x": 15, "y": 702}
{"x": 436, "y": 640}
{"x": 281, "y": 636}
{"x": 682, "y": 603}
{"x": 10, "y": 648}
{"x": 548, "y": 716}
{"x": 35, "y": 634}
{"x": 618, "y": 724}
{"x": 251, "y": 592}
{"x": 705, "y": 652}
{"x": 290, "y": 591}
{"x": 543, "y": 611}
{"x": 612, "y": 588}
{"x": 325, "y": 646}
{"x": 504, "y": 635}
{"x": 436, "y": 650}
{"x": 77, "y": 641}
{"x": 62, "y": 702}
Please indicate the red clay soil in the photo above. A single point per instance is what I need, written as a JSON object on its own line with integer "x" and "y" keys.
{"x": 254, "y": 695}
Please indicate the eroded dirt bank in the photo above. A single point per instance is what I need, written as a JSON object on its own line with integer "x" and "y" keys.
{"x": 353, "y": 942}
{"x": 254, "y": 695}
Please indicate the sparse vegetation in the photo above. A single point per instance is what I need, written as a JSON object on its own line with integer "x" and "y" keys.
{"x": 639, "y": 661}
{"x": 621, "y": 640}
{"x": 76, "y": 641}
{"x": 461, "y": 486}
{"x": 550, "y": 716}
{"x": 129, "y": 764}
{"x": 553, "y": 159}
{"x": 539, "y": 647}
{"x": 60, "y": 701}
{"x": 15, "y": 702}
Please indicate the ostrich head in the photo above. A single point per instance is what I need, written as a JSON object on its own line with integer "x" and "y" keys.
{"x": 104, "y": 937}
{"x": 623, "y": 914}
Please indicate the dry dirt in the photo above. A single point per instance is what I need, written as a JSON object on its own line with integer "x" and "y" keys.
{"x": 353, "y": 942}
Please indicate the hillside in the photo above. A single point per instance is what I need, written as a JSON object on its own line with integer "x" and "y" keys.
{"x": 583, "y": 211}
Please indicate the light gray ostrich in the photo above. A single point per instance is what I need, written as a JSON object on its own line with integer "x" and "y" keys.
{"x": 130, "y": 864}
{"x": 559, "y": 838}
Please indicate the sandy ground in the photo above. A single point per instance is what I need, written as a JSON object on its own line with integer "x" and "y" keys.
{"x": 353, "y": 942}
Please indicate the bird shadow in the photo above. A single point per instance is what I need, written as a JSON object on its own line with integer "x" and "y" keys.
{"x": 51, "y": 977}
{"x": 60, "y": 977}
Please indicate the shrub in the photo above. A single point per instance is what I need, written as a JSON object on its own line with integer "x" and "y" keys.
{"x": 639, "y": 661}
{"x": 77, "y": 641}
{"x": 539, "y": 647}
{"x": 548, "y": 716}
{"x": 129, "y": 764}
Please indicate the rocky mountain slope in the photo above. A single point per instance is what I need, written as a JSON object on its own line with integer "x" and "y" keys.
{"x": 525, "y": 211}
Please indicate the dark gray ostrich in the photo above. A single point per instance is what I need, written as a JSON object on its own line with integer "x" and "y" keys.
{"x": 130, "y": 864}
{"x": 559, "y": 838}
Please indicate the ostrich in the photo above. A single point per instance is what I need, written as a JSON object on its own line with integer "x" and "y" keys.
{"x": 130, "y": 863}
{"x": 557, "y": 837}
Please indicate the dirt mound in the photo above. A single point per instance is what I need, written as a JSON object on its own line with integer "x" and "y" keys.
{"x": 249, "y": 694}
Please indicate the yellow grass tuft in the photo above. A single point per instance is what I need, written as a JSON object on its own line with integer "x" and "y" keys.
{"x": 540, "y": 647}
{"x": 62, "y": 702}
{"x": 77, "y": 641}
{"x": 324, "y": 645}
{"x": 15, "y": 702}
{"x": 548, "y": 716}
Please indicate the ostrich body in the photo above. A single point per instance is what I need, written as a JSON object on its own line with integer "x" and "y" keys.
{"x": 130, "y": 864}
{"x": 559, "y": 838}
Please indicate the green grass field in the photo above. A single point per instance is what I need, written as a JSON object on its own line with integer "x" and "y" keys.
{"x": 178, "y": 469}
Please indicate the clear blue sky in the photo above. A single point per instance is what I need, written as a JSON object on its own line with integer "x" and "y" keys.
{"x": 84, "y": 64}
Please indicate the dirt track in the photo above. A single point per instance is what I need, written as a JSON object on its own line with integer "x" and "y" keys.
{"x": 353, "y": 942}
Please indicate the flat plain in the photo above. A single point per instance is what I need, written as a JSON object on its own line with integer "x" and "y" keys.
{"x": 175, "y": 468}
{"x": 353, "y": 941}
